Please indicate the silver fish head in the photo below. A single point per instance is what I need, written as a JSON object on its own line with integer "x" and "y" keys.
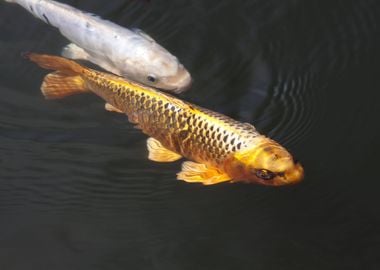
{"x": 154, "y": 66}
{"x": 179, "y": 82}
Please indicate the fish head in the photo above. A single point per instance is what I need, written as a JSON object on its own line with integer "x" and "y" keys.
{"x": 154, "y": 66}
{"x": 267, "y": 163}
{"x": 178, "y": 82}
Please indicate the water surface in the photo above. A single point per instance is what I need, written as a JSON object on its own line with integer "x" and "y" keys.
{"x": 76, "y": 188}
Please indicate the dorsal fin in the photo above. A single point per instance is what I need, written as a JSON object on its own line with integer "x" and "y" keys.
{"x": 143, "y": 34}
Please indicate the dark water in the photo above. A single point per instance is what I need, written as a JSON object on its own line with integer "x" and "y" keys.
{"x": 76, "y": 188}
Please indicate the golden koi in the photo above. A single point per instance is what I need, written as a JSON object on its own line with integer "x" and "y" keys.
{"x": 221, "y": 149}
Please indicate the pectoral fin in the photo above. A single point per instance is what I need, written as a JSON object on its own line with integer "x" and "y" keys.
{"x": 159, "y": 153}
{"x": 196, "y": 172}
{"x": 112, "y": 108}
{"x": 73, "y": 51}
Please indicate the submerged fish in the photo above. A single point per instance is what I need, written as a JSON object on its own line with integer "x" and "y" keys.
{"x": 221, "y": 149}
{"x": 131, "y": 54}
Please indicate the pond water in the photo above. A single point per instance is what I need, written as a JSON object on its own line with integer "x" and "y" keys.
{"x": 78, "y": 192}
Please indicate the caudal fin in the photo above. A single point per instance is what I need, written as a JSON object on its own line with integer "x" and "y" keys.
{"x": 58, "y": 63}
{"x": 65, "y": 81}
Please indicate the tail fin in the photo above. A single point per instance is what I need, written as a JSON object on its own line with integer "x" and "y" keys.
{"x": 58, "y": 63}
{"x": 65, "y": 81}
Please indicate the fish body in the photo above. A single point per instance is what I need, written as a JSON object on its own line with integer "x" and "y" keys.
{"x": 131, "y": 54}
{"x": 221, "y": 149}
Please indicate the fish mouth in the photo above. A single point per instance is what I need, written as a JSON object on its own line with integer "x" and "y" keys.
{"x": 181, "y": 89}
{"x": 293, "y": 176}
{"x": 178, "y": 83}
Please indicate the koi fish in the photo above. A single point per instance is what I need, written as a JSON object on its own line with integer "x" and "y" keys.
{"x": 131, "y": 54}
{"x": 220, "y": 148}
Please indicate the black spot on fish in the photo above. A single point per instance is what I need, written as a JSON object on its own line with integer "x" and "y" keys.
{"x": 238, "y": 145}
{"x": 31, "y": 8}
{"x": 46, "y": 18}
{"x": 183, "y": 134}
{"x": 167, "y": 114}
{"x": 225, "y": 138}
{"x": 88, "y": 25}
{"x": 268, "y": 148}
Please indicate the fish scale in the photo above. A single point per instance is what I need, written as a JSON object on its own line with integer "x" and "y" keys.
{"x": 224, "y": 149}
{"x": 189, "y": 130}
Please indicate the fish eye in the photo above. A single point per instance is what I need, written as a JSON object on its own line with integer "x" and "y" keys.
{"x": 151, "y": 78}
{"x": 265, "y": 174}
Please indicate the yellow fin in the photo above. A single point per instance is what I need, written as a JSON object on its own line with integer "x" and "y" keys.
{"x": 58, "y": 85}
{"x": 112, "y": 108}
{"x": 159, "y": 153}
{"x": 196, "y": 172}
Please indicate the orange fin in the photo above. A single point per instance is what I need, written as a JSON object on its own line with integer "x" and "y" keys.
{"x": 159, "y": 153}
{"x": 57, "y": 85}
{"x": 112, "y": 108}
{"x": 65, "y": 66}
{"x": 196, "y": 172}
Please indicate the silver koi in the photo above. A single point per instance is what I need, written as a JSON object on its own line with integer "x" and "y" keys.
{"x": 127, "y": 53}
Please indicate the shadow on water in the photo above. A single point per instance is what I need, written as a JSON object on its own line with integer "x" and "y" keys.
{"x": 76, "y": 188}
